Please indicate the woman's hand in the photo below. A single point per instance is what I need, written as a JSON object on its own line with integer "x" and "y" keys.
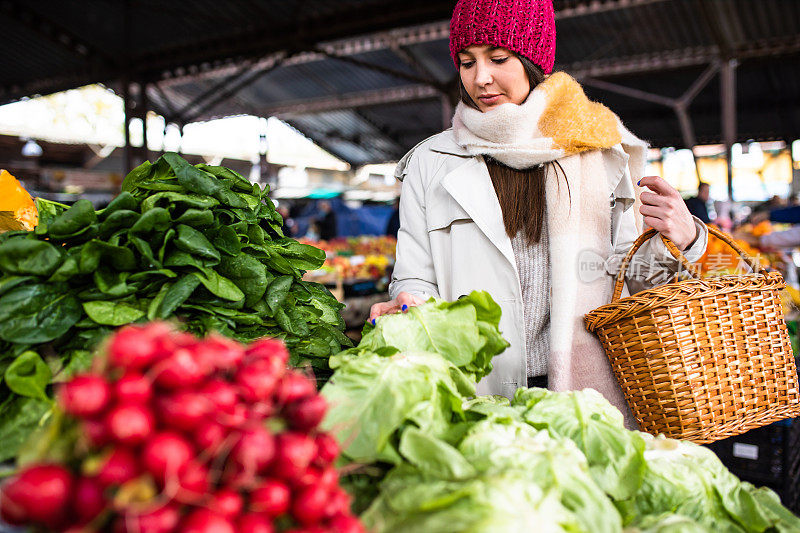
{"x": 665, "y": 211}
{"x": 403, "y": 301}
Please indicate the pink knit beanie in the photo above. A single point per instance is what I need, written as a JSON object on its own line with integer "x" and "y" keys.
{"x": 527, "y": 27}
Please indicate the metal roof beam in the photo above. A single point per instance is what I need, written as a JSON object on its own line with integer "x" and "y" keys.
{"x": 349, "y": 101}
{"x": 411, "y": 35}
{"x": 682, "y": 58}
{"x": 53, "y": 32}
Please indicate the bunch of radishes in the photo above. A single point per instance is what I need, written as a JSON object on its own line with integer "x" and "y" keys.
{"x": 188, "y": 435}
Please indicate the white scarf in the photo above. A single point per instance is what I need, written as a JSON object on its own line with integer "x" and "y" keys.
{"x": 558, "y": 122}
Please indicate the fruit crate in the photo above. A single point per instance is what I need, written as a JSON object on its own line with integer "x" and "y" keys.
{"x": 766, "y": 456}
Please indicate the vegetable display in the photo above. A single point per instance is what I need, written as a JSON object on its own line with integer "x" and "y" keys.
{"x": 199, "y": 243}
{"x": 423, "y": 453}
{"x": 172, "y": 433}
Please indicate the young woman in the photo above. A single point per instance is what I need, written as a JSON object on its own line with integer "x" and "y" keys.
{"x": 531, "y": 196}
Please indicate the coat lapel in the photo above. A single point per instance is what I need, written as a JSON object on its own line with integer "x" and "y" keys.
{"x": 471, "y": 186}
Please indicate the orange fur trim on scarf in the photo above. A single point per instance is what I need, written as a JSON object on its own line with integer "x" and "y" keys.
{"x": 575, "y": 123}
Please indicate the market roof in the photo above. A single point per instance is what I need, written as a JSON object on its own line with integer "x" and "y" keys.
{"x": 367, "y": 79}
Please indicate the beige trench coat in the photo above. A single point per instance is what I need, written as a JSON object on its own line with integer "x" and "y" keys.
{"x": 452, "y": 241}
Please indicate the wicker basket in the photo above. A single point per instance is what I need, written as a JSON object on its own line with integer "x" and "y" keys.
{"x": 701, "y": 359}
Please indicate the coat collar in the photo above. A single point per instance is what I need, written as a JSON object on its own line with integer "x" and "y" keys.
{"x": 445, "y": 143}
{"x": 471, "y": 186}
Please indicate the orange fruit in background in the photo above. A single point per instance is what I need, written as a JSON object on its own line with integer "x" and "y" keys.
{"x": 762, "y": 228}
{"x": 16, "y": 200}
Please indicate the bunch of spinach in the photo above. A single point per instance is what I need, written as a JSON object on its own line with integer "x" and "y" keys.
{"x": 197, "y": 243}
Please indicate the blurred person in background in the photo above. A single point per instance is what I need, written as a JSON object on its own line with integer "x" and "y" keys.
{"x": 327, "y": 222}
{"x": 698, "y": 205}
{"x": 393, "y": 226}
{"x": 289, "y": 225}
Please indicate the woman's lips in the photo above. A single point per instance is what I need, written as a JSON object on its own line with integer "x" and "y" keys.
{"x": 489, "y": 99}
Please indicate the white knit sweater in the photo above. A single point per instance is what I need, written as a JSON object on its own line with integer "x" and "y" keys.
{"x": 533, "y": 264}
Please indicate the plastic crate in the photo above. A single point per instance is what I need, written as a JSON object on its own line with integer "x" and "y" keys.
{"x": 767, "y": 456}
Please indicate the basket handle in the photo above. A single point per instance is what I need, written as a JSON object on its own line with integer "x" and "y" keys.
{"x": 692, "y": 269}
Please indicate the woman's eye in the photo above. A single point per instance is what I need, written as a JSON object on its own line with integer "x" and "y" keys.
{"x": 467, "y": 64}
{"x": 499, "y": 60}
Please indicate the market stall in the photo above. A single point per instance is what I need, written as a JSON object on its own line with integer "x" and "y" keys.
{"x": 154, "y": 428}
{"x": 357, "y": 270}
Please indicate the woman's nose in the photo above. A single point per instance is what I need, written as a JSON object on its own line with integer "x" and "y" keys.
{"x": 483, "y": 75}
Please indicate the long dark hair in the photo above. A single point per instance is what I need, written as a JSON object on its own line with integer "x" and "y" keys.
{"x": 521, "y": 193}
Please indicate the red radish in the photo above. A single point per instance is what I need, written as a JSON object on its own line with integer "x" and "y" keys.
{"x": 257, "y": 380}
{"x": 209, "y": 435}
{"x": 182, "y": 410}
{"x": 345, "y": 524}
{"x": 87, "y": 499}
{"x": 180, "y": 369}
{"x": 236, "y": 418}
{"x": 306, "y": 414}
{"x": 85, "y": 395}
{"x": 130, "y": 424}
{"x": 327, "y": 449}
{"x": 165, "y": 454}
{"x": 193, "y": 482}
{"x": 227, "y": 502}
{"x": 327, "y": 477}
{"x": 219, "y": 352}
{"x": 338, "y": 502}
{"x": 133, "y": 387}
{"x": 205, "y": 521}
{"x": 294, "y": 452}
{"x": 271, "y": 497}
{"x": 293, "y": 387}
{"x": 255, "y": 448}
{"x": 157, "y": 520}
{"x": 96, "y": 432}
{"x": 308, "y": 506}
{"x": 220, "y": 394}
{"x": 254, "y": 523}
{"x": 37, "y": 494}
{"x": 271, "y": 349}
{"x": 135, "y": 347}
{"x": 120, "y": 466}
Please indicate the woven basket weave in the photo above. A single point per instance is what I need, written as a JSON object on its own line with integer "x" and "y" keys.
{"x": 701, "y": 359}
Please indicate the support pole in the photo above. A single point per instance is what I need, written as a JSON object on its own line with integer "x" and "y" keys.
{"x": 728, "y": 100}
{"x": 127, "y": 105}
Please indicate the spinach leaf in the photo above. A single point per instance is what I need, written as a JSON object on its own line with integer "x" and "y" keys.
{"x": 137, "y": 176}
{"x": 227, "y": 241}
{"x": 111, "y": 313}
{"x": 191, "y": 178}
{"x": 29, "y": 257}
{"x": 192, "y": 241}
{"x": 95, "y": 251}
{"x": 74, "y": 221}
{"x": 28, "y": 375}
{"x": 124, "y": 201}
{"x": 196, "y": 218}
{"x": 37, "y": 313}
{"x": 122, "y": 219}
{"x": 219, "y": 286}
{"x": 248, "y": 274}
{"x": 156, "y": 219}
{"x": 277, "y": 292}
{"x": 19, "y": 416}
{"x": 178, "y": 293}
{"x": 163, "y": 199}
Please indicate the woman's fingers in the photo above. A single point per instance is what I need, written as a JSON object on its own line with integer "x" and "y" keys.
{"x": 400, "y": 304}
{"x": 651, "y": 198}
{"x": 383, "y": 308}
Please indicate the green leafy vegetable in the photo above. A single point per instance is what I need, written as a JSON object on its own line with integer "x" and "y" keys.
{"x": 197, "y": 244}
